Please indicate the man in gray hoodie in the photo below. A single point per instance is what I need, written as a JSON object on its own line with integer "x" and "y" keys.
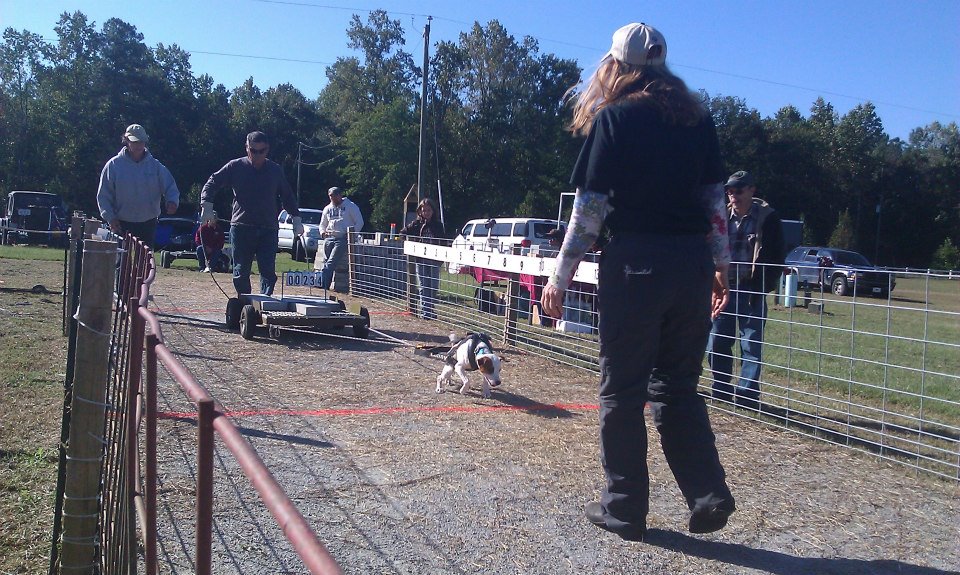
{"x": 133, "y": 185}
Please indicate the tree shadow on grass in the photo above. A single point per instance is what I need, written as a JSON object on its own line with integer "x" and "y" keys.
{"x": 779, "y": 563}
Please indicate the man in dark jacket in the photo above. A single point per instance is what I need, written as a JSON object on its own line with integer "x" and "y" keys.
{"x": 757, "y": 252}
{"x": 258, "y": 184}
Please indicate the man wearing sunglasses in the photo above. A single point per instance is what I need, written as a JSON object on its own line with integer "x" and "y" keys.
{"x": 757, "y": 252}
{"x": 258, "y": 184}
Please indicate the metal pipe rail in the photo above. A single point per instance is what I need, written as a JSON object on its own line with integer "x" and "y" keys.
{"x": 314, "y": 554}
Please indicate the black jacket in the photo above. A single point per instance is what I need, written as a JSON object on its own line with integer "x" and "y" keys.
{"x": 768, "y": 249}
{"x": 425, "y": 230}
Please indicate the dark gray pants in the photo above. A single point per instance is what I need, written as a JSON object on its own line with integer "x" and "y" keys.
{"x": 146, "y": 231}
{"x": 654, "y": 304}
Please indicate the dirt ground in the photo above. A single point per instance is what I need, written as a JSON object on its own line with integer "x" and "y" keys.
{"x": 398, "y": 479}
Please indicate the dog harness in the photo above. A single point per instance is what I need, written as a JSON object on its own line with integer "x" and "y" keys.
{"x": 472, "y": 340}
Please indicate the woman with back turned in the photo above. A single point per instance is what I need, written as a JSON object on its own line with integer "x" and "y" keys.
{"x": 649, "y": 170}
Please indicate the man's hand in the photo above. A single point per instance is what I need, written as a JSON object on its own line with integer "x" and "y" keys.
{"x": 115, "y": 226}
{"x": 552, "y": 301}
{"x": 206, "y": 213}
{"x": 171, "y": 208}
{"x": 297, "y": 226}
{"x": 721, "y": 291}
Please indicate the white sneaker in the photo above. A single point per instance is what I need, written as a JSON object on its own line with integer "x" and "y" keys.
{"x": 206, "y": 270}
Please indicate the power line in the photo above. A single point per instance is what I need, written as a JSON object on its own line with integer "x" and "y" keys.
{"x": 353, "y": 9}
{"x": 259, "y": 57}
{"x": 814, "y": 90}
{"x": 593, "y": 49}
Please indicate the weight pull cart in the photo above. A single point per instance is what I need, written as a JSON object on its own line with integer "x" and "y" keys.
{"x": 250, "y": 312}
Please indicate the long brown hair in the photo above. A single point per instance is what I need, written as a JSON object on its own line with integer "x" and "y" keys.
{"x": 427, "y": 202}
{"x": 616, "y": 81}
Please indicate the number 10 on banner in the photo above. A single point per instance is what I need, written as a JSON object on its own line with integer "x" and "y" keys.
{"x": 305, "y": 279}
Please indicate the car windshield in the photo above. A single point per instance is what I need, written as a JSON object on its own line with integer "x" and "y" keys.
{"x": 39, "y": 200}
{"x": 850, "y": 259}
{"x": 310, "y": 217}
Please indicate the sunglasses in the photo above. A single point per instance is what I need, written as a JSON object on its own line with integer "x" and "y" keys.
{"x": 258, "y": 151}
{"x": 735, "y": 191}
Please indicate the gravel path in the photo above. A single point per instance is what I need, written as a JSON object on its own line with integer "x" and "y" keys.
{"x": 397, "y": 479}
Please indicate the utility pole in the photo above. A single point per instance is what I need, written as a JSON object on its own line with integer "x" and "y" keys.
{"x": 423, "y": 104}
{"x": 299, "y": 151}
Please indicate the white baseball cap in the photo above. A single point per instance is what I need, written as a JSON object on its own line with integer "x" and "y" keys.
{"x": 639, "y": 45}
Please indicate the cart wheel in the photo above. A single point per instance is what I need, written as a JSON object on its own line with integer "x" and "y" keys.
{"x": 164, "y": 259}
{"x": 249, "y": 319}
{"x": 234, "y": 308}
{"x": 362, "y": 329}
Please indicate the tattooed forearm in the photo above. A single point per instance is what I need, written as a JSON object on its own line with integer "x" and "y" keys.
{"x": 715, "y": 200}
{"x": 589, "y": 211}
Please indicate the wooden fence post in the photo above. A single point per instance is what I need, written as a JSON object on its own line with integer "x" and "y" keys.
{"x": 84, "y": 449}
{"x": 511, "y": 314}
{"x": 413, "y": 296}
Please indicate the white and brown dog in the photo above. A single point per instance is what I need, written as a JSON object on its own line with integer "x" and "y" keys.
{"x": 472, "y": 353}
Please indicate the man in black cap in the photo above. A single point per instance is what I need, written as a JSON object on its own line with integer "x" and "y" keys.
{"x": 756, "y": 254}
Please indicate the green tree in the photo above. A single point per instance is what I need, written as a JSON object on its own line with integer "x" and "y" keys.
{"x": 73, "y": 110}
{"x": 741, "y": 133}
{"x": 385, "y": 73}
{"x": 842, "y": 236}
{"x": 860, "y": 141}
{"x": 21, "y": 152}
{"x": 381, "y": 162}
{"x": 947, "y": 257}
{"x": 502, "y": 137}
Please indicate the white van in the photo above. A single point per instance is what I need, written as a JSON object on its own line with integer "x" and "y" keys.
{"x": 504, "y": 234}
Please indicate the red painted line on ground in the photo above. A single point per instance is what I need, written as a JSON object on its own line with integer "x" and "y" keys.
{"x": 389, "y": 410}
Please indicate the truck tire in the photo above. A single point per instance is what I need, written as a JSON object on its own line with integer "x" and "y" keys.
{"x": 839, "y": 286}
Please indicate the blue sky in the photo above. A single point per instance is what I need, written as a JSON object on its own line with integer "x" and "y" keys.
{"x": 902, "y": 56}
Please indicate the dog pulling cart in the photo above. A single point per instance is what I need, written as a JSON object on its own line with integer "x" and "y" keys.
{"x": 250, "y": 312}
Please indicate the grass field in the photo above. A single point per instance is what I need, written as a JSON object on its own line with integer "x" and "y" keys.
{"x": 32, "y": 371}
{"x": 906, "y": 354}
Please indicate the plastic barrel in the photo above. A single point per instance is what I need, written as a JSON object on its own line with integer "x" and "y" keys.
{"x": 789, "y": 290}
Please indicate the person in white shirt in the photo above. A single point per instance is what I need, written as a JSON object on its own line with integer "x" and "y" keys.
{"x": 339, "y": 215}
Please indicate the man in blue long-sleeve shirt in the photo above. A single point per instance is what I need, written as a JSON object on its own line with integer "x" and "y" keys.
{"x": 257, "y": 184}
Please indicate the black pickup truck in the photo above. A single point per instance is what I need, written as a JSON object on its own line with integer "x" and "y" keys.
{"x": 34, "y": 218}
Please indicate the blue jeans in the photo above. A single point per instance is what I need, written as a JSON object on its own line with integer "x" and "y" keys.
{"x": 249, "y": 242}
{"x": 334, "y": 250}
{"x": 202, "y": 258}
{"x": 747, "y": 310}
{"x": 428, "y": 283}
